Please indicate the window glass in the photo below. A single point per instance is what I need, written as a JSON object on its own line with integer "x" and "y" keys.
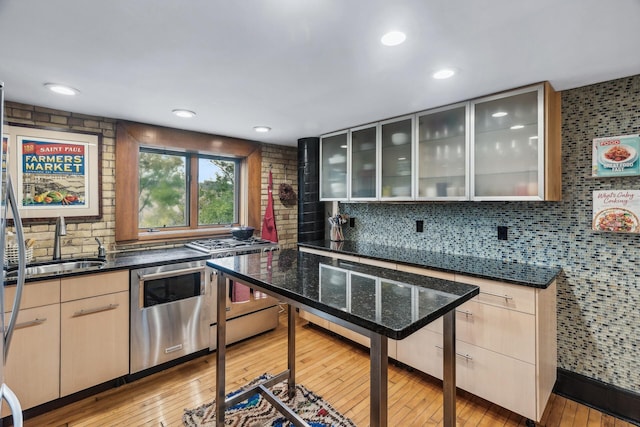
{"x": 217, "y": 191}
{"x": 163, "y": 191}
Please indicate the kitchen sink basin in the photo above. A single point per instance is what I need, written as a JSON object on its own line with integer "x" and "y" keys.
{"x": 59, "y": 267}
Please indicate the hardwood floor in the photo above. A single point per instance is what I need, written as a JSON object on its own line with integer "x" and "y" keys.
{"x": 328, "y": 365}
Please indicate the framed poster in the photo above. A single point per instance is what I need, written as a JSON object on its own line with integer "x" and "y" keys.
{"x": 616, "y": 156}
{"x": 55, "y": 172}
{"x": 616, "y": 211}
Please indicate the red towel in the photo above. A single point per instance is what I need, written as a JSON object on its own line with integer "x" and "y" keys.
{"x": 269, "y": 231}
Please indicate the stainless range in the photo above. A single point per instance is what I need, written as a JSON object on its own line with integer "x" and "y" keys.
{"x": 248, "y": 312}
{"x": 219, "y": 248}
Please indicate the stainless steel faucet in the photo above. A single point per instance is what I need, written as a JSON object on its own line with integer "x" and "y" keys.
{"x": 61, "y": 230}
{"x": 102, "y": 252}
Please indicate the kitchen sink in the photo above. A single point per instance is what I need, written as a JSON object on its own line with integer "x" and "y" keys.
{"x": 59, "y": 267}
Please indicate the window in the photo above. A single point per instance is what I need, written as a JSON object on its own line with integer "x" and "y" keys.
{"x": 173, "y": 184}
{"x": 165, "y": 187}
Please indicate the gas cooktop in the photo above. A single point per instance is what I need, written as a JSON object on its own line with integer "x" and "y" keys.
{"x": 231, "y": 246}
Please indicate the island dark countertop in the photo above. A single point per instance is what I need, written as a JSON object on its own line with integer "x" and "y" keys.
{"x": 511, "y": 272}
{"x": 389, "y": 302}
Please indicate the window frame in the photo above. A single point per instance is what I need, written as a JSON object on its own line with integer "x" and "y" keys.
{"x": 130, "y": 136}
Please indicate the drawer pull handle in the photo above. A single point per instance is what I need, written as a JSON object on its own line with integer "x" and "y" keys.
{"x": 34, "y": 322}
{"x": 506, "y": 297}
{"x": 465, "y": 312}
{"x": 466, "y": 356}
{"x": 84, "y": 312}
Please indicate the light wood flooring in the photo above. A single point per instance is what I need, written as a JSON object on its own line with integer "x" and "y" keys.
{"x": 327, "y": 365}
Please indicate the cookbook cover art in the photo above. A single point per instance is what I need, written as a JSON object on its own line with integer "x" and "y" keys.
{"x": 616, "y": 211}
{"x": 616, "y": 156}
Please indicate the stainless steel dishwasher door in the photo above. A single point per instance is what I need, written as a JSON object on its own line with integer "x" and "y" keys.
{"x": 170, "y": 312}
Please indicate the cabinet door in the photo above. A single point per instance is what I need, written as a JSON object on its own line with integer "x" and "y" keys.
{"x": 508, "y": 146}
{"x": 33, "y": 364}
{"x": 441, "y": 157}
{"x": 397, "y": 159}
{"x": 94, "y": 341}
{"x": 364, "y": 163}
{"x": 333, "y": 166}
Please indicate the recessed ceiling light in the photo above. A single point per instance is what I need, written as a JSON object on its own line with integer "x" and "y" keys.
{"x": 61, "y": 89}
{"x": 514, "y": 127}
{"x": 445, "y": 73}
{"x": 262, "y": 129}
{"x": 393, "y": 38}
{"x": 187, "y": 114}
{"x": 499, "y": 114}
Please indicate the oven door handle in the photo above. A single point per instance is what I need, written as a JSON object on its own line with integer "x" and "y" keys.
{"x": 162, "y": 275}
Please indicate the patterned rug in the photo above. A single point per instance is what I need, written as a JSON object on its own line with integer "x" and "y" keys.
{"x": 258, "y": 412}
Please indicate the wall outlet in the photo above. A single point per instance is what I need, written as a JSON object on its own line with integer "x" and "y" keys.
{"x": 352, "y": 222}
{"x": 419, "y": 226}
{"x": 502, "y": 232}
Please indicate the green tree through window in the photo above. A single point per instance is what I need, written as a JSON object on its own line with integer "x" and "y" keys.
{"x": 164, "y": 189}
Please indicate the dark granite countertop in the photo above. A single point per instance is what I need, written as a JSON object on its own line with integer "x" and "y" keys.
{"x": 510, "y": 272}
{"x": 389, "y": 302}
{"x": 127, "y": 261}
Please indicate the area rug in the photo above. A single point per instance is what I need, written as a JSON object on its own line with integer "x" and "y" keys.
{"x": 256, "y": 411}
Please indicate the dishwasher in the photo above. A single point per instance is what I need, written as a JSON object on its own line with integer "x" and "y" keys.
{"x": 170, "y": 313}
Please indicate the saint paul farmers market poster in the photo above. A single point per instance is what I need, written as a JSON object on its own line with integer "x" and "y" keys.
{"x": 53, "y": 173}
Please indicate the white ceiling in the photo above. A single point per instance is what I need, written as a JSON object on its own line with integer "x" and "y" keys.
{"x": 302, "y": 67}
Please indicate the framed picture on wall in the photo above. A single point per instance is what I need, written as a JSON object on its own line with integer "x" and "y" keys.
{"x": 616, "y": 211}
{"x": 616, "y": 156}
{"x": 55, "y": 172}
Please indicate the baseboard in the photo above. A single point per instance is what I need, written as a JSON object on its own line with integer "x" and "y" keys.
{"x": 604, "y": 397}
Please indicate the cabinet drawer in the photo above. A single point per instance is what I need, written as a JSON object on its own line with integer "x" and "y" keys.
{"x": 91, "y": 285}
{"x": 94, "y": 341}
{"x": 34, "y": 294}
{"x": 508, "y": 332}
{"x": 500, "y": 379}
{"x": 33, "y": 364}
{"x": 514, "y": 297}
{"x": 422, "y": 350}
{"x": 426, "y": 272}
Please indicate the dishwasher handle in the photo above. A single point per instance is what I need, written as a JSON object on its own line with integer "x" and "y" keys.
{"x": 171, "y": 273}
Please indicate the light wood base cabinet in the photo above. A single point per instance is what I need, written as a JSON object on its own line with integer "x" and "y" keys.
{"x": 33, "y": 364}
{"x": 94, "y": 345}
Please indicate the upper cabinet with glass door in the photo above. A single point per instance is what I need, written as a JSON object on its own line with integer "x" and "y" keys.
{"x": 333, "y": 166}
{"x": 516, "y": 145}
{"x": 397, "y": 158}
{"x": 441, "y": 153}
{"x": 364, "y": 163}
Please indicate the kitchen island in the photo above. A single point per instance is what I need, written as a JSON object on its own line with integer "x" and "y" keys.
{"x": 374, "y": 301}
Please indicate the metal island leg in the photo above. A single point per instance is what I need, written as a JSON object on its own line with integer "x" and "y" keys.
{"x": 379, "y": 356}
{"x": 221, "y": 339}
{"x": 449, "y": 369}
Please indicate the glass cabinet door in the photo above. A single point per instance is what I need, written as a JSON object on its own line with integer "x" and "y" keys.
{"x": 364, "y": 162}
{"x": 333, "y": 166}
{"x": 441, "y": 158}
{"x": 397, "y": 161}
{"x": 508, "y": 157}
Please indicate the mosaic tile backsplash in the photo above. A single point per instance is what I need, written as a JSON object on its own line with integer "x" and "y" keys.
{"x": 599, "y": 287}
